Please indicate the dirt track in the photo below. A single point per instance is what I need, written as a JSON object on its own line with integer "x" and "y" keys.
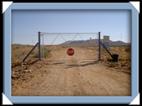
{"x": 68, "y": 76}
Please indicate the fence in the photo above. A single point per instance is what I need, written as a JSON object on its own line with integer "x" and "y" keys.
{"x": 67, "y": 40}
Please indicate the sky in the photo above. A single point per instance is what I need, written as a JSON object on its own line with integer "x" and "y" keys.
{"x": 27, "y": 24}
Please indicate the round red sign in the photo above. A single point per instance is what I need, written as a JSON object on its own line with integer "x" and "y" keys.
{"x": 70, "y": 51}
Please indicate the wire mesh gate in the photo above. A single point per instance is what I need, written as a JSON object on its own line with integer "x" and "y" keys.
{"x": 55, "y": 46}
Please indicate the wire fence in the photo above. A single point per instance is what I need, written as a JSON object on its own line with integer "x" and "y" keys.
{"x": 51, "y": 42}
{"x": 55, "y": 45}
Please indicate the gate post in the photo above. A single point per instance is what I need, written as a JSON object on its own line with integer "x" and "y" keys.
{"x": 39, "y": 53}
{"x": 99, "y": 45}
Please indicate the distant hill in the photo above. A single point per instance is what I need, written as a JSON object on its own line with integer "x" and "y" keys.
{"x": 93, "y": 42}
{"x": 118, "y": 43}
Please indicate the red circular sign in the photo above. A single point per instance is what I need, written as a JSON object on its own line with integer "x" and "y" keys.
{"x": 70, "y": 51}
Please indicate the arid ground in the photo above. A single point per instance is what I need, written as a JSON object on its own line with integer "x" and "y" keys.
{"x": 77, "y": 75}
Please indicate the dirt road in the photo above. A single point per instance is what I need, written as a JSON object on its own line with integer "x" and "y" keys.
{"x": 78, "y": 75}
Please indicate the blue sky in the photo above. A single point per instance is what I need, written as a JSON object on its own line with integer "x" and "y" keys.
{"x": 26, "y": 24}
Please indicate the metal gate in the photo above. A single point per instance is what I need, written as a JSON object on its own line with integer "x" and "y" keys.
{"x": 54, "y": 47}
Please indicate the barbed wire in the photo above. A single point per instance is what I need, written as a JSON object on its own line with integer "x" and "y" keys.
{"x": 43, "y": 33}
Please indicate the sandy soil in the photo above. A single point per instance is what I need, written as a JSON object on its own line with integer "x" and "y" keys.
{"x": 76, "y": 75}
